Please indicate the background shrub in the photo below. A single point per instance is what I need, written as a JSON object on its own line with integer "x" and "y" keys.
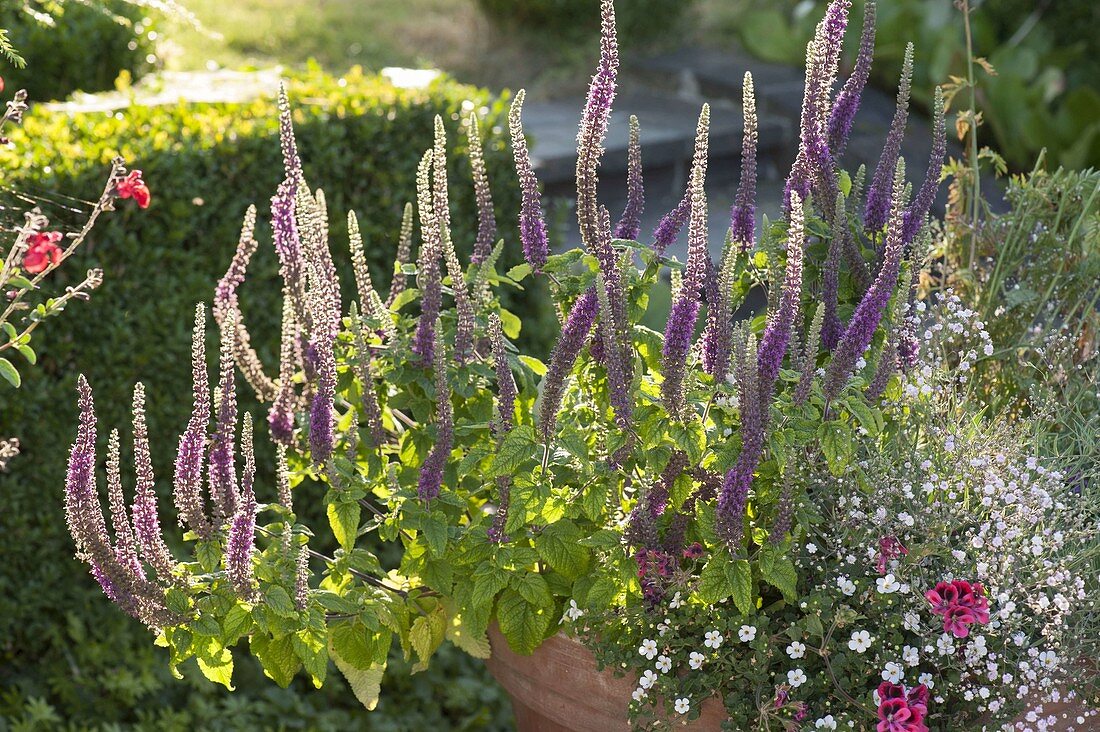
{"x": 1045, "y": 92}
{"x": 73, "y": 45}
{"x": 638, "y": 20}
{"x": 360, "y": 139}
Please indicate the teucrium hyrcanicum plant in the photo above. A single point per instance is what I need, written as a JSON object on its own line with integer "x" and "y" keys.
{"x": 630, "y": 471}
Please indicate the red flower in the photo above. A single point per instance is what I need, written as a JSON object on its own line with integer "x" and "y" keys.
{"x": 132, "y": 186}
{"x": 889, "y": 547}
{"x": 43, "y": 252}
{"x": 694, "y": 551}
{"x": 942, "y": 597}
{"x": 917, "y": 699}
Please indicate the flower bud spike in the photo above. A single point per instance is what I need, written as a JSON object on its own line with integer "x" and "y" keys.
{"x": 743, "y": 212}
{"x": 239, "y": 544}
{"x": 572, "y": 339}
{"x": 630, "y": 224}
{"x": 532, "y": 225}
{"x": 222, "y": 469}
{"x": 879, "y": 201}
{"x": 431, "y": 472}
{"x": 847, "y": 101}
{"x": 187, "y": 487}
{"x": 404, "y": 251}
{"x": 486, "y": 218}
{"x": 428, "y": 272}
{"x": 506, "y": 383}
{"x": 147, "y": 529}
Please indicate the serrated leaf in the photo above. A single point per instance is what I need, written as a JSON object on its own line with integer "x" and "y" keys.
{"x": 488, "y": 581}
{"x": 177, "y": 601}
{"x": 520, "y": 271}
{"x": 216, "y": 664}
{"x": 780, "y": 572}
{"x": 523, "y": 624}
{"x": 558, "y": 545}
{"x": 311, "y": 648}
{"x": 459, "y": 632}
{"x": 537, "y": 366}
{"x": 426, "y": 635}
{"x": 366, "y": 684}
{"x": 343, "y": 517}
{"x": 601, "y": 594}
{"x": 8, "y": 372}
{"x": 236, "y": 623}
{"x": 208, "y": 554}
{"x": 518, "y": 447}
{"x": 277, "y": 657}
{"x": 714, "y": 582}
{"x": 869, "y": 417}
{"x": 435, "y": 534}
{"x": 276, "y": 598}
{"x": 740, "y": 578}
{"x": 510, "y": 324}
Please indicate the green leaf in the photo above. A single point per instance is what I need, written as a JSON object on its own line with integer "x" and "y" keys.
{"x": 510, "y": 324}
{"x": 356, "y": 644}
{"x": 343, "y": 517}
{"x": 216, "y": 664}
{"x": 435, "y": 533}
{"x": 366, "y": 684}
{"x": 8, "y": 372}
{"x": 559, "y": 546}
{"x": 869, "y": 417}
{"x": 209, "y": 555}
{"x": 277, "y": 657}
{"x": 463, "y": 635}
{"x": 426, "y": 635}
{"x": 311, "y": 648}
{"x": 488, "y": 581}
{"x": 524, "y": 625}
{"x": 537, "y": 366}
{"x": 601, "y": 594}
{"x": 532, "y": 586}
{"x": 279, "y": 601}
{"x": 236, "y": 623}
{"x": 714, "y": 581}
{"x": 689, "y": 437}
{"x": 518, "y": 272}
{"x": 778, "y": 570}
{"x": 28, "y": 353}
{"x": 177, "y": 601}
{"x": 518, "y": 447}
{"x": 845, "y": 182}
{"x": 740, "y": 577}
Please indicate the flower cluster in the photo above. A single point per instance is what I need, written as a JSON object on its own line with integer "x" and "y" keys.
{"x": 961, "y": 605}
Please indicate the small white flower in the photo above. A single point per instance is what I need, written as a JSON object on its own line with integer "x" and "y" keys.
{"x": 676, "y": 603}
{"x": 796, "y": 677}
{"x": 893, "y": 672}
{"x": 639, "y": 694}
{"x": 796, "y": 649}
{"x": 648, "y": 649}
{"x": 712, "y": 639}
{"x": 683, "y": 706}
{"x": 662, "y": 628}
{"x": 1049, "y": 659}
{"x": 926, "y": 679}
{"x": 887, "y": 584}
{"x": 647, "y": 679}
{"x": 747, "y": 633}
{"x": 910, "y": 655}
{"x": 846, "y": 586}
{"x": 826, "y": 722}
{"x": 860, "y": 641}
{"x": 945, "y": 645}
{"x": 573, "y": 612}
{"x": 695, "y": 660}
{"x": 664, "y": 664}
{"x": 911, "y": 622}
{"x": 811, "y": 548}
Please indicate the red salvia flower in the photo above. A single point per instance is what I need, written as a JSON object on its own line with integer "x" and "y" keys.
{"x": 132, "y": 186}
{"x": 43, "y": 252}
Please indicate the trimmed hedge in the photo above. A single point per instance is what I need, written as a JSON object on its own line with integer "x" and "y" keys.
{"x": 360, "y": 139}
{"x": 85, "y": 47}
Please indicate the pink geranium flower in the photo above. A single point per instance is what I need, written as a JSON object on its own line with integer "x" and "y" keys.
{"x": 961, "y": 604}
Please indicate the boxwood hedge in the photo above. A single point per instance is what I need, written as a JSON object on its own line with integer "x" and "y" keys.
{"x": 360, "y": 138}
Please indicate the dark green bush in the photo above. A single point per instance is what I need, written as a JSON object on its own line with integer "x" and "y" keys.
{"x": 360, "y": 138}
{"x": 638, "y": 20}
{"x": 73, "y": 45}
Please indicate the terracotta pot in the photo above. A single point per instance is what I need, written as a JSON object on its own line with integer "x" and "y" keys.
{"x": 558, "y": 689}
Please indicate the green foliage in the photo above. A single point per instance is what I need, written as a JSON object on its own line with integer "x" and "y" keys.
{"x": 204, "y": 163}
{"x": 70, "y": 46}
{"x": 1043, "y": 94}
{"x": 638, "y": 20}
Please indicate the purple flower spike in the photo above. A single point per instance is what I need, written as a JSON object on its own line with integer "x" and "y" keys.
{"x": 146, "y": 522}
{"x": 918, "y": 209}
{"x": 486, "y": 218}
{"x": 630, "y": 224}
{"x": 777, "y": 333}
{"x": 743, "y": 212}
{"x": 506, "y": 383}
{"x": 573, "y": 336}
{"x": 872, "y": 307}
{"x": 669, "y": 227}
{"x": 192, "y": 444}
{"x": 431, "y": 472}
{"x": 222, "y": 468}
{"x": 847, "y": 101}
{"x": 831, "y": 327}
{"x": 734, "y": 494}
{"x": 593, "y": 130}
{"x": 428, "y": 270}
{"x": 82, "y": 509}
{"x": 680, "y": 328}
{"x": 878, "y": 194}
{"x": 532, "y": 225}
{"x": 242, "y": 529}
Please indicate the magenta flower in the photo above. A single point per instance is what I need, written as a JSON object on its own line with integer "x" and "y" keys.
{"x": 898, "y": 712}
{"x": 961, "y": 604}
